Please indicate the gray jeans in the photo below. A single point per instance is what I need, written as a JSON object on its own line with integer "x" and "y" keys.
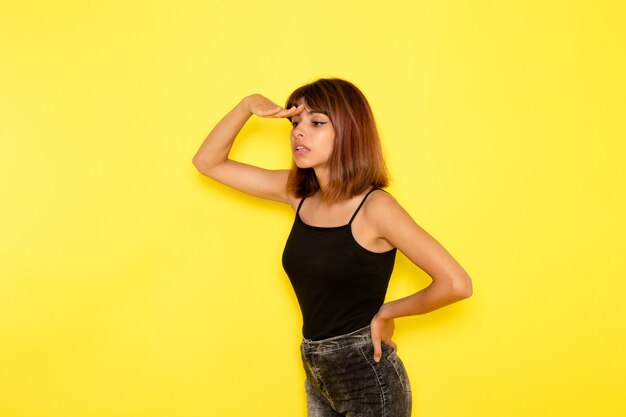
{"x": 343, "y": 379}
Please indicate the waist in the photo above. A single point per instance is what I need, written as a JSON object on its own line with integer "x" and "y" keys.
{"x": 356, "y": 338}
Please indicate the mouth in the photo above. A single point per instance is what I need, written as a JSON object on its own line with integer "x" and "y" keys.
{"x": 299, "y": 150}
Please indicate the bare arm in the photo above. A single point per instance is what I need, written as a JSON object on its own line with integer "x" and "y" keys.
{"x": 212, "y": 156}
{"x": 450, "y": 281}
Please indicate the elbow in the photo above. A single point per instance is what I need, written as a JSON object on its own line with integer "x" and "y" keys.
{"x": 201, "y": 166}
{"x": 462, "y": 287}
{"x": 208, "y": 166}
{"x": 197, "y": 162}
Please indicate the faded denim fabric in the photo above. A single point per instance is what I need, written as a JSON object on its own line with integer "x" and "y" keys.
{"x": 343, "y": 379}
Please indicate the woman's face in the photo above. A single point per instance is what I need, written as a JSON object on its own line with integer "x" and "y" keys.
{"x": 312, "y": 138}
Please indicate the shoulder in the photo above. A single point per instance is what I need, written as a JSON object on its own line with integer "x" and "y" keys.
{"x": 381, "y": 203}
{"x": 385, "y": 213}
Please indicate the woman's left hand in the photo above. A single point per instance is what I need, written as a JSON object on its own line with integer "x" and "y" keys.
{"x": 382, "y": 332}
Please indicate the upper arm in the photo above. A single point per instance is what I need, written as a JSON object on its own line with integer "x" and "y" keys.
{"x": 256, "y": 181}
{"x": 397, "y": 227}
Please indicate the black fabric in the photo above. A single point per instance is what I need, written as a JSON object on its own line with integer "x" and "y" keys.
{"x": 339, "y": 284}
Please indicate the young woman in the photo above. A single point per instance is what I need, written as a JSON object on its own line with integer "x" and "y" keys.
{"x": 340, "y": 253}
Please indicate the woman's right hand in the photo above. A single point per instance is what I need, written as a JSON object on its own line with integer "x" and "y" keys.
{"x": 263, "y": 107}
{"x": 212, "y": 159}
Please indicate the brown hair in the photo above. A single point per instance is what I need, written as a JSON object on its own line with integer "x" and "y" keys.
{"x": 356, "y": 162}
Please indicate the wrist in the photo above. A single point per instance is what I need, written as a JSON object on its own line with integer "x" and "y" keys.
{"x": 385, "y": 313}
{"x": 244, "y": 105}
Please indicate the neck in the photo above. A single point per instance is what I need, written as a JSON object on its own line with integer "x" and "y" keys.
{"x": 322, "y": 180}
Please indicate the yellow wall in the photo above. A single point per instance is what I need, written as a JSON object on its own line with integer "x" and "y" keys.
{"x": 130, "y": 285}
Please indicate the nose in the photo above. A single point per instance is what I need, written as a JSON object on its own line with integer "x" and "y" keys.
{"x": 297, "y": 131}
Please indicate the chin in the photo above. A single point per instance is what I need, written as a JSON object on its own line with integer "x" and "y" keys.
{"x": 301, "y": 164}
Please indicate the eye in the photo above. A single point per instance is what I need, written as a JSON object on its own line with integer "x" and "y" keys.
{"x": 294, "y": 124}
{"x": 318, "y": 123}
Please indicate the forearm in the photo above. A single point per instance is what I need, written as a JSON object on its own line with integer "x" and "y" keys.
{"x": 431, "y": 298}
{"x": 217, "y": 145}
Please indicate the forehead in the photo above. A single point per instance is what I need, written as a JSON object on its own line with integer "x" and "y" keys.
{"x": 308, "y": 110}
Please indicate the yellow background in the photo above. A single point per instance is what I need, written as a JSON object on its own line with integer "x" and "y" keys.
{"x": 130, "y": 285}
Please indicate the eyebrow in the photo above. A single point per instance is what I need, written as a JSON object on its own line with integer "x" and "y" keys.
{"x": 318, "y": 112}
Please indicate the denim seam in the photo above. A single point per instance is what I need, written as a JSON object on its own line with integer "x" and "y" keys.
{"x": 317, "y": 350}
{"x": 341, "y": 336}
{"x": 395, "y": 365}
{"x": 382, "y": 392}
{"x": 318, "y": 381}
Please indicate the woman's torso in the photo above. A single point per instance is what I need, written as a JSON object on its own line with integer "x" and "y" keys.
{"x": 340, "y": 283}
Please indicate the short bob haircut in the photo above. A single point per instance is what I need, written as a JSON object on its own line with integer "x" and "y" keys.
{"x": 356, "y": 162}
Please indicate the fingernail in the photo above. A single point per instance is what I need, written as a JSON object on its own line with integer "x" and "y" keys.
{"x": 376, "y": 359}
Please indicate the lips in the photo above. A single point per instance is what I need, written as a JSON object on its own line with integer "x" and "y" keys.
{"x": 299, "y": 149}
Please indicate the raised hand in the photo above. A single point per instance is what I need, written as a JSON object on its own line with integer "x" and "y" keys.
{"x": 264, "y": 107}
{"x": 212, "y": 158}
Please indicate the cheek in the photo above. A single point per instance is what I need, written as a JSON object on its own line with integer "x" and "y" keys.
{"x": 331, "y": 141}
